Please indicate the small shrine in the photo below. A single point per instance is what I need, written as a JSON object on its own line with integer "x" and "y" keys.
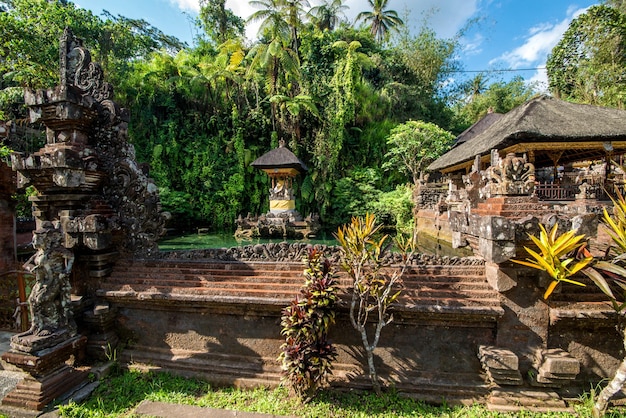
{"x": 282, "y": 220}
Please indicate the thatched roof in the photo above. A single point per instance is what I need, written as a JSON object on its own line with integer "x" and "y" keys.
{"x": 477, "y": 128}
{"x": 280, "y": 157}
{"x": 544, "y": 120}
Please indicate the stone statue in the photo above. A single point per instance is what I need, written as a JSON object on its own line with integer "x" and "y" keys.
{"x": 512, "y": 175}
{"x": 49, "y": 300}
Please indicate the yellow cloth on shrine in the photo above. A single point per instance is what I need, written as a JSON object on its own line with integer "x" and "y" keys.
{"x": 282, "y": 204}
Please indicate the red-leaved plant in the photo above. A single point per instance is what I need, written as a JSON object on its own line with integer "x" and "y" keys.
{"x": 307, "y": 355}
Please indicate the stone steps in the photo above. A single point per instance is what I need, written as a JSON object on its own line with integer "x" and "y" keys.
{"x": 428, "y": 288}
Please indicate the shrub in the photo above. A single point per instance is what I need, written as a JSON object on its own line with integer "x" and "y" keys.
{"x": 307, "y": 354}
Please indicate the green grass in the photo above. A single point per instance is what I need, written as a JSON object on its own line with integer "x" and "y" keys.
{"x": 117, "y": 397}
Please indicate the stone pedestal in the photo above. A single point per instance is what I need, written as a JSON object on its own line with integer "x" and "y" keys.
{"x": 501, "y": 365}
{"x": 103, "y": 340}
{"x": 49, "y": 374}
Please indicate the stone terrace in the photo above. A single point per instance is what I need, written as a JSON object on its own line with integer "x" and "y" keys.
{"x": 221, "y": 320}
{"x": 434, "y": 289}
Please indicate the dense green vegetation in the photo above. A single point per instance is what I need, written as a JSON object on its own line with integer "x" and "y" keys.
{"x": 201, "y": 113}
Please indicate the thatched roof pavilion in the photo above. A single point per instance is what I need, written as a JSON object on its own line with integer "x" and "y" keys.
{"x": 282, "y": 166}
{"x": 477, "y": 128}
{"x": 550, "y": 131}
{"x": 279, "y": 158}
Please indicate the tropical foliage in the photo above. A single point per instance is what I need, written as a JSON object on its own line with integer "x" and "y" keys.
{"x": 413, "y": 145}
{"x": 374, "y": 288}
{"x": 555, "y": 256}
{"x": 589, "y": 63}
{"x": 380, "y": 19}
{"x": 201, "y": 114}
{"x": 565, "y": 255}
{"x": 307, "y": 354}
{"x": 609, "y": 275}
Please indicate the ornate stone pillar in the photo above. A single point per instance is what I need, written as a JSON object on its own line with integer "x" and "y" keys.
{"x": 92, "y": 202}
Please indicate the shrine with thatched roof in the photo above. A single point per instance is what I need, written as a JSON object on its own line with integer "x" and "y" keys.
{"x": 549, "y": 131}
{"x": 282, "y": 220}
{"x": 545, "y": 156}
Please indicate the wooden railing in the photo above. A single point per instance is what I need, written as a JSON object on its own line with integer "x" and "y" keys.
{"x": 555, "y": 191}
{"x": 14, "y": 288}
{"x": 558, "y": 191}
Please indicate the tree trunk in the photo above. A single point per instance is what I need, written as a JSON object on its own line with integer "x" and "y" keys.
{"x": 369, "y": 351}
{"x": 611, "y": 389}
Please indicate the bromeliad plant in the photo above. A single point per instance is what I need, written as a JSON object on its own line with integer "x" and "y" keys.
{"x": 374, "y": 288}
{"x": 609, "y": 276}
{"x": 556, "y": 256}
{"x": 307, "y": 355}
{"x": 563, "y": 256}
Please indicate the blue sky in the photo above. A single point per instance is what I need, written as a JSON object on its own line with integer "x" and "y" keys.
{"x": 508, "y": 34}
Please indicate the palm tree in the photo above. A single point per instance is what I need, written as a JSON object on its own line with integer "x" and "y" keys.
{"x": 477, "y": 86}
{"x": 281, "y": 18}
{"x": 328, "y": 15}
{"x": 294, "y": 10}
{"x": 270, "y": 14}
{"x": 381, "y": 21}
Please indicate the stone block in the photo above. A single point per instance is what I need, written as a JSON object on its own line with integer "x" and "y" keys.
{"x": 500, "y": 278}
{"x": 498, "y": 358}
{"x": 558, "y": 362}
{"x": 458, "y": 240}
{"x": 496, "y": 251}
{"x": 458, "y": 221}
{"x": 474, "y": 224}
{"x": 586, "y": 224}
{"x": 496, "y": 228}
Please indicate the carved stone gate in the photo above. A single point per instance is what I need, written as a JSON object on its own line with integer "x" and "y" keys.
{"x": 93, "y": 204}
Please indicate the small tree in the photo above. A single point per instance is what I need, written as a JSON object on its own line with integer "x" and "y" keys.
{"x": 374, "y": 288}
{"x": 415, "y": 144}
{"x": 307, "y": 354}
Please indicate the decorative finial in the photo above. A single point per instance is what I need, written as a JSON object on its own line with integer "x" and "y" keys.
{"x": 281, "y": 143}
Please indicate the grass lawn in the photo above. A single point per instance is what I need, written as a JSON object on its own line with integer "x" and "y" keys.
{"x": 118, "y": 395}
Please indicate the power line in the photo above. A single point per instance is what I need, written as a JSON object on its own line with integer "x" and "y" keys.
{"x": 499, "y": 71}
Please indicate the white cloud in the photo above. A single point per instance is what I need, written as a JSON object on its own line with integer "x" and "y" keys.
{"x": 187, "y": 5}
{"x": 538, "y": 44}
{"x": 473, "y": 45}
{"x": 445, "y": 16}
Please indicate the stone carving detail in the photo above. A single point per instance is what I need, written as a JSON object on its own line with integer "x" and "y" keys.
{"x": 288, "y": 224}
{"x": 93, "y": 199}
{"x": 79, "y": 71}
{"x": 49, "y": 300}
{"x": 512, "y": 175}
{"x": 132, "y": 195}
{"x": 294, "y": 252}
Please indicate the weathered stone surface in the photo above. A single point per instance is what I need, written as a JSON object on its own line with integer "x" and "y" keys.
{"x": 458, "y": 240}
{"x": 501, "y": 365}
{"x": 554, "y": 368}
{"x": 496, "y": 228}
{"x": 35, "y": 392}
{"x": 499, "y": 277}
{"x": 42, "y": 362}
{"x": 498, "y": 358}
{"x": 559, "y": 362}
{"x": 496, "y": 251}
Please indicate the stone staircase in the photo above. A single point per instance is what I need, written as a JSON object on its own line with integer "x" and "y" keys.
{"x": 426, "y": 288}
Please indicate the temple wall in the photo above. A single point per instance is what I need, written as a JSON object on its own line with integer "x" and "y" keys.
{"x": 221, "y": 320}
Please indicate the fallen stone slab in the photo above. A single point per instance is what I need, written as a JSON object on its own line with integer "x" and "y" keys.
{"x": 168, "y": 410}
